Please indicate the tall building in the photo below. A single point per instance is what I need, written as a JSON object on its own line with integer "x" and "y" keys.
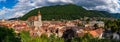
{"x": 35, "y": 21}
{"x": 3, "y": 20}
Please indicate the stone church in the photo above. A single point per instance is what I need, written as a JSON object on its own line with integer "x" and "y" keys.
{"x": 35, "y": 21}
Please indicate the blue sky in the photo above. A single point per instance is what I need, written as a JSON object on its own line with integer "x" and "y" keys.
{"x": 7, "y": 3}
{"x": 17, "y": 8}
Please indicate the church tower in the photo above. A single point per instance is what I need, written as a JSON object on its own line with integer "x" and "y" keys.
{"x": 35, "y": 21}
{"x": 3, "y": 20}
{"x": 40, "y": 18}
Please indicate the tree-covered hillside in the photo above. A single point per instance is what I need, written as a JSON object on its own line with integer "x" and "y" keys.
{"x": 67, "y": 12}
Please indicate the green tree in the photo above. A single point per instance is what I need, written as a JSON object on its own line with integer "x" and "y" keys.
{"x": 8, "y": 35}
{"x": 96, "y": 26}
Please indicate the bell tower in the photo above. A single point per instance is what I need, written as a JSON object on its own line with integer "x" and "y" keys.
{"x": 40, "y": 18}
{"x": 3, "y": 20}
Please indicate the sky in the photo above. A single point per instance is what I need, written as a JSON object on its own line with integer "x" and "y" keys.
{"x": 16, "y": 8}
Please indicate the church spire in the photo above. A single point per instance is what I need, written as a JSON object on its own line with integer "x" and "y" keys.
{"x": 3, "y": 19}
{"x": 39, "y": 13}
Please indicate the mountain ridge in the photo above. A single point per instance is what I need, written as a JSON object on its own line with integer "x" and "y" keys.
{"x": 69, "y": 12}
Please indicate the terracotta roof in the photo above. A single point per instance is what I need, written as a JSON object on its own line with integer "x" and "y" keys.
{"x": 33, "y": 18}
{"x": 96, "y": 33}
{"x": 93, "y": 33}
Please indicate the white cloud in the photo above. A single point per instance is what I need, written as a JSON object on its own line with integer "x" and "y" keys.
{"x": 3, "y": 10}
{"x": 23, "y": 6}
{"x": 103, "y": 5}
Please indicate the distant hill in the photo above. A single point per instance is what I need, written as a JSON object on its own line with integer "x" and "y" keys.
{"x": 116, "y": 15}
{"x": 13, "y": 19}
{"x": 68, "y": 12}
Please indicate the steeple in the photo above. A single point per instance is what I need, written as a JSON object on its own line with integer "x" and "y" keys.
{"x": 3, "y": 19}
{"x": 39, "y": 14}
{"x": 39, "y": 19}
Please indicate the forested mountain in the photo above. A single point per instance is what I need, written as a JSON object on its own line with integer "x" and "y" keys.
{"x": 116, "y": 15}
{"x": 68, "y": 12}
